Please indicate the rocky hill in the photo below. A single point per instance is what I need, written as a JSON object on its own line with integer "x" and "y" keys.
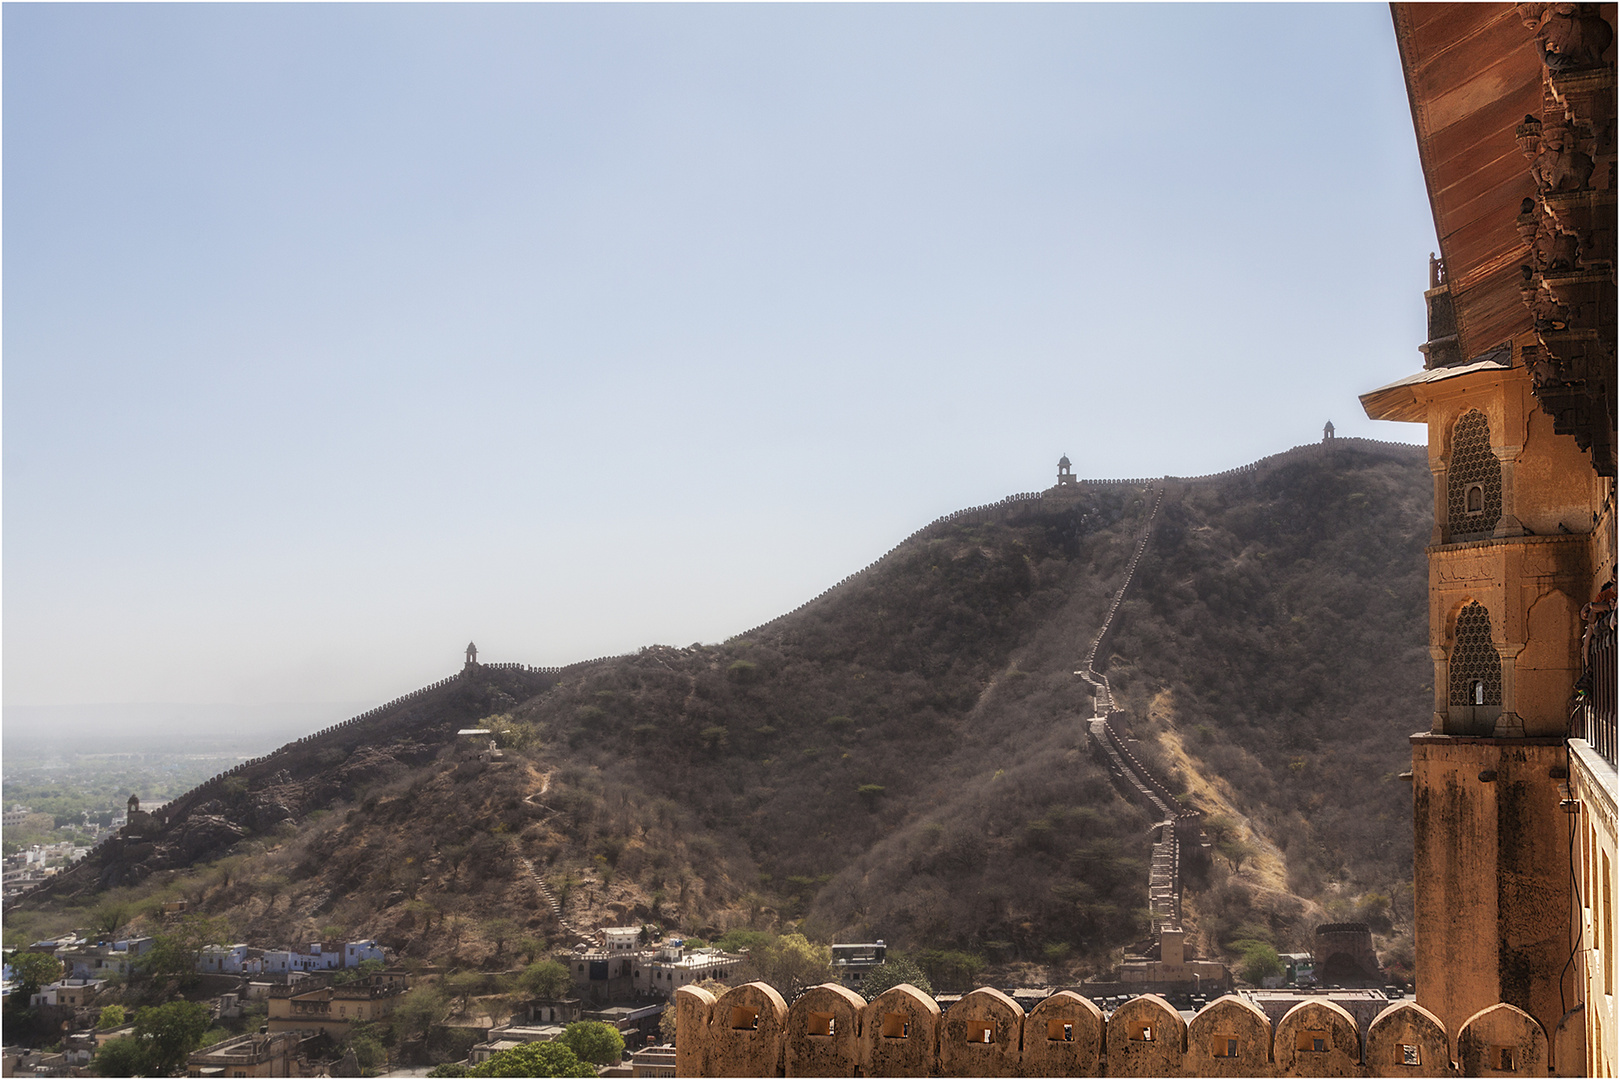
{"x": 904, "y": 757}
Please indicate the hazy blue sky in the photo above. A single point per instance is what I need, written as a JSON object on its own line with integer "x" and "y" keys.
{"x": 335, "y": 336}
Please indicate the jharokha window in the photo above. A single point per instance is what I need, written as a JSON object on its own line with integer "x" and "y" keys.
{"x": 1473, "y": 480}
{"x": 1476, "y": 669}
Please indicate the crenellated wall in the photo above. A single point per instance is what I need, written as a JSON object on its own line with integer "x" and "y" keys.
{"x": 395, "y": 710}
{"x": 1061, "y": 496}
{"x": 829, "y": 1031}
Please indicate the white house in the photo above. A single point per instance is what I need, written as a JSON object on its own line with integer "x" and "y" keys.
{"x": 135, "y": 946}
{"x": 229, "y": 960}
{"x": 617, "y": 939}
{"x": 671, "y": 968}
{"x": 356, "y": 953}
{"x": 321, "y": 957}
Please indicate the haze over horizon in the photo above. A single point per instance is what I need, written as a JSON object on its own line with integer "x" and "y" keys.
{"x": 337, "y": 336}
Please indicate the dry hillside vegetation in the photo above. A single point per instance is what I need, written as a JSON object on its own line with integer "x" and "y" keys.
{"x": 905, "y": 758}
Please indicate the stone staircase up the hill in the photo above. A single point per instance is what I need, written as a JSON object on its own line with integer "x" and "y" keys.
{"x": 550, "y": 899}
{"x": 1134, "y": 779}
{"x": 1099, "y": 682}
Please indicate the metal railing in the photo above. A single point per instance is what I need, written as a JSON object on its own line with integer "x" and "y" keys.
{"x": 1597, "y": 712}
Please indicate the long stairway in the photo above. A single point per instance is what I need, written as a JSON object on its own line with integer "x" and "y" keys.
{"x": 1134, "y": 778}
{"x": 549, "y": 897}
{"x": 1104, "y": 694}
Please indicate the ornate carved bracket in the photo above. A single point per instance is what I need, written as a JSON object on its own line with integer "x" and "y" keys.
{"x": 1568, "y": 228}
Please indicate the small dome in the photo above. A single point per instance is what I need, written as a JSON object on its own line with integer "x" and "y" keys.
{"x": 1063, "y": 462}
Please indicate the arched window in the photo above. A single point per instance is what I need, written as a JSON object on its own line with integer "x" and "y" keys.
{"x": 1476, "y": 669}
{"x": 1473, "y": 480}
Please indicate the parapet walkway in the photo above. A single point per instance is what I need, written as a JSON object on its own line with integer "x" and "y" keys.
{"x": 750, "y": 1030}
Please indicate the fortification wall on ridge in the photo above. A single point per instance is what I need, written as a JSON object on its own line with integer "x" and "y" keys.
{"x": 1374, "y": 447}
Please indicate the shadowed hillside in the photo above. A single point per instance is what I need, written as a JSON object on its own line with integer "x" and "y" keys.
{"x": 905, "y": 757}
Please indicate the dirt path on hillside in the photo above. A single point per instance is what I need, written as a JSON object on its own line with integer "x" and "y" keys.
{"x": 545, "y": 786}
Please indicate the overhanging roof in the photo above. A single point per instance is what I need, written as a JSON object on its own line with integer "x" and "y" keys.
{"x": 1402, "y": 400}
{"x": 1473, "y": 73}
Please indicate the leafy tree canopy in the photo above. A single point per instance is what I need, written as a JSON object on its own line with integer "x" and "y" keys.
{"x": 124, "y": 1056}
{"x": 791, "y": 963}
{"x": 1259, "y": 960}
{"x": 174, "y": 953}
{"x": 891, "y": 973}
{"x": 534, "y": 1059}
{"x": 357, "y": 974}
{"x": 742, "y": 940}
{"x": 593, "y": 1041}
{"x": 546, "y": 979}
{"x": 171, "y": 1032}
{"x": 34, "y": 970}
{"x": 419, "y": 1009}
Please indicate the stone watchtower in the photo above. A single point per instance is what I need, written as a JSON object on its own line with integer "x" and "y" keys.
{"x": 1065, "y": 474}
{"x": 1523, "y": 538}
{"x": 1344, "y": 955}
{"x": 472, "y": 655}
{"x": 1327, "y": 432}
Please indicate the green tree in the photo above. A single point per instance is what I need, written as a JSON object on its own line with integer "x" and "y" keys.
{"x": 171, "y": 1032}
{"x": 534, "y": 1059}
{"x": 791, "y": 963}
{"x": 124, "y": 1056}
{"x": 948, "y": 967}
{"x": 111, "y": 1016}
{"x": 1216, "y": 826}
{"x": 368, "y": 1051}
{"x": 448, "y": 1069}
{"x": 1237, "y": 850}
{"x": 1259, "y": 960}
{"x": 109, "y": 916}
{"x": 420, "y": 1009}
{"x": 546, "y": 979}
{"x": 501, "y": 930}
{"x": 174, "y": 953}
{"x": 593, "y": 1041}
{"x": 360, "y": 973}
{"x": 462, "y": 985}
{"x": 892, "y": 973}
{"x": 742, "y": 940}
{"x": 34, "y": 970}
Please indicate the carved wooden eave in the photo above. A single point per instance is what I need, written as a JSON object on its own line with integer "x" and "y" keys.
{"x": 1408, "y": 399}
{"x": 1472, "y": 74}
{"x": 1514, "y": 108}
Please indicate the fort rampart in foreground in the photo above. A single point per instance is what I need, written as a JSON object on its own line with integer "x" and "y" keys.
{"x": 831, "y": 1031}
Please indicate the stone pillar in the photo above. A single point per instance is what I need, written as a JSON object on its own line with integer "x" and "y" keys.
{"x": 1442, "y": 526}
{"x": 1442, "y": 689}
{"x": 1508, "y": 524}
{"x": 1508, "y": 724}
